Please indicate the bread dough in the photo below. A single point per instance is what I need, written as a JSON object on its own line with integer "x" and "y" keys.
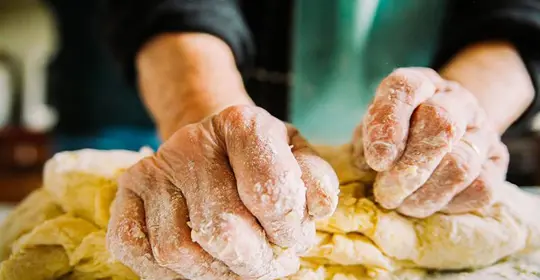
{"x": 509, "y": 227}
{"x": 58, "y": 232}
{"x": 521, "y": 268}
{"x": 84, "y": 182}
{"x": 36, "y": 208}
{"x": 40, "y": 262}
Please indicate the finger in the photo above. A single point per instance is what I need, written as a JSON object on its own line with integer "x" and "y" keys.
{"x": 127, "y": 237}
{"x": 435, "y": 126}
{"x": 269, "y": 179}
{"x": 477, "y": 195}
{"x": 319, "y": 178}
{"x": 167, "y": 223}
{"x": 220, "y": 222}
{"x": 386, "y": 124}
{"x": 456, "y": 171}
{"x": 285, "y": 263}
{"x": 480, "y": 193}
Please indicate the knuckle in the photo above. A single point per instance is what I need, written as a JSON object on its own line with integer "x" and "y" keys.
{"x": 299, "y": 237}
{"x": 125, "y": 180}
{"x": 131, "y": 175}
{"x": 435, "y": 121}
{"x": 240, "y": 114}
{"x": 191, "y": 134}
{"x": 290, "y": 232}
{"x": 403, "y": 83}
{"x": 137, "y": 169}
{"x": 483, "y": 190}
{"x": 477, "y": 195}
{"x": 239, "y": 244}
{"x": 138, "y": 177}
{"x": 220, "y": 232}
{"x": 125, "y": 238}
{"x": 237, "y": 111}
{"x": 456, "y": 169}
{"x": 177, "y": 256}
{"x": 248, "y": 120}
{"x": 285, "y": 235}
{"x": 185, "y": 257}
{"x": 321, "y": 203}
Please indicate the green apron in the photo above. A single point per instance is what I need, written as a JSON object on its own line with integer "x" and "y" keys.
{"x": 344, "y": 48}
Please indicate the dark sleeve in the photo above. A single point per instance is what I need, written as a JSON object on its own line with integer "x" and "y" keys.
{"x": 133, "y": 23}
{"x": 517, "y": 21}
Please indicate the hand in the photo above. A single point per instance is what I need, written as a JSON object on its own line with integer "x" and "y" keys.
{"x": 432, "y": 144}
{"x": 217, "y": 196}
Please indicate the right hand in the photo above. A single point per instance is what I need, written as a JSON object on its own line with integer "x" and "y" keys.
{"x": 433, "y": 145}
{"x": 217, "y": 197}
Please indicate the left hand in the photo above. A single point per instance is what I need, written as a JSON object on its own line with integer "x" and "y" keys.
{"x": 432, "y": 145}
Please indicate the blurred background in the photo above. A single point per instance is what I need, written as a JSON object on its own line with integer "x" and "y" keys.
{"x": 60, "y": 88}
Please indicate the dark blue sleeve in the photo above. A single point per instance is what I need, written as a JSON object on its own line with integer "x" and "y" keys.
{"x": 517, "y": 21}
{"x": 133, "y": 22}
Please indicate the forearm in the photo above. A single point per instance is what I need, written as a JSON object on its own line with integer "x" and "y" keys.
{"x": 496, "y": 75}
{"x": 186, "y": 77}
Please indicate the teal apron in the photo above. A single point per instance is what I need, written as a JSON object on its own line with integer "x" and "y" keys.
{"x": 344, "y": 48}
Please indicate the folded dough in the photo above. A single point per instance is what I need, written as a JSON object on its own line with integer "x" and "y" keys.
{"x": 84, "y": 182}
{"x": 58, "y": 232}
{"x": 36, "y": 208}
{"x": 509, "y": 227}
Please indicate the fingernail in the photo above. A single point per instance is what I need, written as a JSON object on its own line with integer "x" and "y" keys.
{"x": 380, "y": 155}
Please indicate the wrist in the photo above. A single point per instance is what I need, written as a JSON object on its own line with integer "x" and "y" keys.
{"x": 185, "y": 77}
{"x": 199, "y": 105}
{"x": 495, "y": 74}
